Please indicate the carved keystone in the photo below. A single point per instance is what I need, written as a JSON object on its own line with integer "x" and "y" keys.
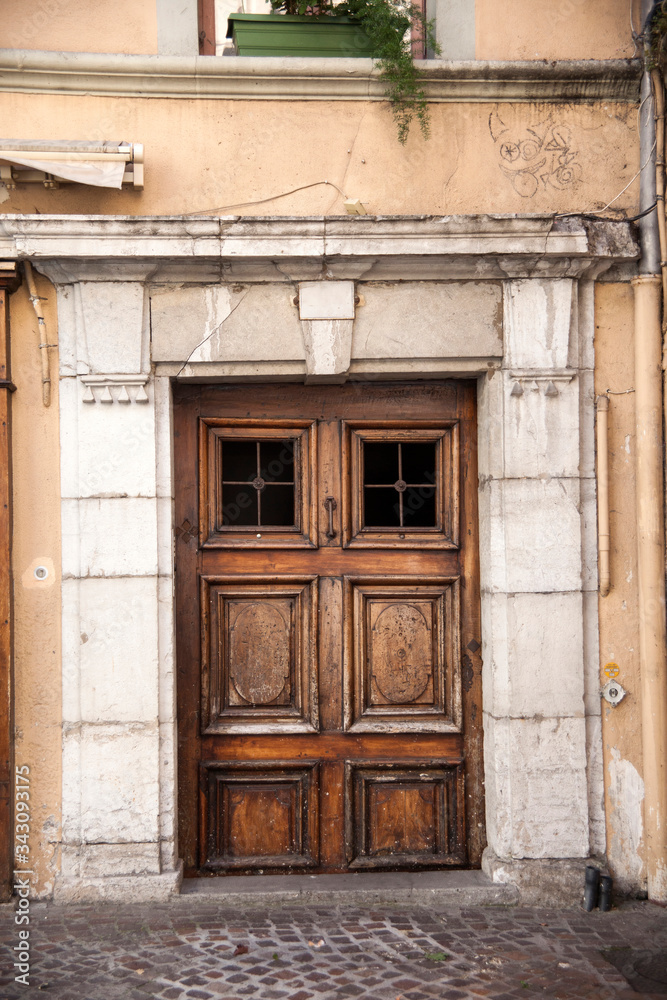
{"x": 326, "y": 310}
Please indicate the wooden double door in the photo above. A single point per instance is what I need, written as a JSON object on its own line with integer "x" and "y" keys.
{"x": 327, "y": 594}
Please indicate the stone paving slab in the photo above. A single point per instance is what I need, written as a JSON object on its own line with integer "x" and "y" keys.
{"x": 201, "y": 949}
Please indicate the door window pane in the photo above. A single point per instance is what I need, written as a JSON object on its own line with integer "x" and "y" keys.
{"x": 258, "y": 485}
{"x": 418, "y": 460}
{"x": 380, "y": 462}
{"x": 277, "y": 503}
{"x": 419, "y": 507}
{"x": 239, "y": 461}
{"x": 381, "y": 508}
{"x": 239, "y": 506}
{"x": 277, "y": 461}
{"x": 399, "y": 484}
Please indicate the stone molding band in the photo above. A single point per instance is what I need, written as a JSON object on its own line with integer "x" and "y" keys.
{"x": 277, "y": 78}
{"x": 209, "y": 250}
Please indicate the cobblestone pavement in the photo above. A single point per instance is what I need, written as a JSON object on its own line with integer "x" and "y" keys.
{"x": 199, "y": 949}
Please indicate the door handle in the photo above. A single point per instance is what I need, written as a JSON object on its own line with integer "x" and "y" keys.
{"x": 330, "y": 506}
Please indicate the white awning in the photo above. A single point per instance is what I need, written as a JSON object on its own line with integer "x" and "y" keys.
{"x": 100, "y": 164}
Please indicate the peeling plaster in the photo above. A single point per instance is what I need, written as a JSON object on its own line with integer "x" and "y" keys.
{"x": 218, "y": 305}
{"x": 626, "y": 796}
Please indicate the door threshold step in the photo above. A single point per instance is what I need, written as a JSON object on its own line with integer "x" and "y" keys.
{"x": 451, "y": 888}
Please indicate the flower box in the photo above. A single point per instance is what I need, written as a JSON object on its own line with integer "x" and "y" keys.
{"x": 297, "y": 35}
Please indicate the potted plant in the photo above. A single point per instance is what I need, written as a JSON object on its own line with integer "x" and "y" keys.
{"x": 379, "y": 29}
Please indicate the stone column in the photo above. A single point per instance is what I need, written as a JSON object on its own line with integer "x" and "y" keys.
{"x": 118, "y": 716}
{"x": 537, "y": 541}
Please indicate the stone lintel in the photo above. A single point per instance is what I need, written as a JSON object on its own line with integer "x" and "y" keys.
{"x": 210, "y": 250}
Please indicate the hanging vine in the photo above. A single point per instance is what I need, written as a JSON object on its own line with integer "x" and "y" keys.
{"x": 386, "y": 23}
{"x": 655, "y": 37}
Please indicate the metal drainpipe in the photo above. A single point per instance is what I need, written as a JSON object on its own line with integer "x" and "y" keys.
{"x": 650, "y": 510}
{"x": 602, "y": 424}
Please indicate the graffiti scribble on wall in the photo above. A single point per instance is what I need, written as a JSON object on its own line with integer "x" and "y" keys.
{"x": 534, "y": 156}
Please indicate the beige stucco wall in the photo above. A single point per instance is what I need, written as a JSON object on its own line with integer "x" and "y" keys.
{"x": 37, "y": 604}
{"x": 213, "y": 155}
{"x": 554, "y": 29}
{"x": 618, "y": 612}
{"x": 127, "y": 26}
{"x": 514, "y": 29}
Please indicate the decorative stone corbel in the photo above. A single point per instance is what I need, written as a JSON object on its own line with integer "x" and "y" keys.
{"x": 326, "y": 310}
{"x": 97, "y": 388}
{"x": 546, "y": 384}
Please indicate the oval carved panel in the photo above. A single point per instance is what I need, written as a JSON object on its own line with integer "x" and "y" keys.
{"x": 401, "y": 653}
{"x": 259, "y": 653}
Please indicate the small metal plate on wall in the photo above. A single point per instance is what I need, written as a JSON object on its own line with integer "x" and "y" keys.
{"x": 613, "y": 692}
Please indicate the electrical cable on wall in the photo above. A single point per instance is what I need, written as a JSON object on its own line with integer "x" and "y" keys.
{"x": 595, "y": 212}
{"x": 263, "y": 201}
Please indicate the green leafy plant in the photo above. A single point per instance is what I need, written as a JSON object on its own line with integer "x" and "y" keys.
{"x": 386, "y": 23}
{"x": 655, "y": 37}
{"x": 437, "y": 956}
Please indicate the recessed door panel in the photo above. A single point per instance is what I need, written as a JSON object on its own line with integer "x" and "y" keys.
{"x": 259, "y": 664}
{"x": 402, "y": 664}
{"x": 260, "y": 815}
{"x": 404, "y": 815}
{"x": 327, "y": 593}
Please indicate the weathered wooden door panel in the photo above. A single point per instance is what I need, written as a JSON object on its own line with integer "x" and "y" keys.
{"x": 259, "y": 655}
{"x": 404, "y": 814}
{"x": 402, "y": 669}
{"x": 259, "y": 815}
{"x": 328, "y": 632}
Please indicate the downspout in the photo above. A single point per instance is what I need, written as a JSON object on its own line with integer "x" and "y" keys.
{"x": 602, "y": 414}
{"x": 658, "y": 91}
{"x": 650, "y": 509}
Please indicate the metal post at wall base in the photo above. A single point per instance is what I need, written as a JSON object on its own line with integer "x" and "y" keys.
{"x": 651, "y": 573}
{"x": 8, "y": 282}
{"x": 606, "y": 884}
{"x": 591, "y": 888}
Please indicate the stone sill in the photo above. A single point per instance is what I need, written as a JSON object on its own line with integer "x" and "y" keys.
{"x": 277, "y": 78}
{"x": 418, "y": 888}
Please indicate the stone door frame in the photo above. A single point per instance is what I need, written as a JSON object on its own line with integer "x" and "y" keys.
{"x": 536, "y": 498}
